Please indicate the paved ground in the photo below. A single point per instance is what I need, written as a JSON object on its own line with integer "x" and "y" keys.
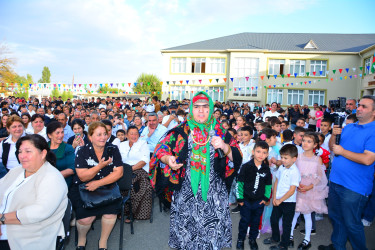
{"x": 154, "y": 236}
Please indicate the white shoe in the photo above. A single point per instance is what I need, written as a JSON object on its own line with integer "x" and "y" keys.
{"x": 366, "y": 223}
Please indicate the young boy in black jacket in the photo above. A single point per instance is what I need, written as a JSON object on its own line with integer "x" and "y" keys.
{"x": 254, "y": 185}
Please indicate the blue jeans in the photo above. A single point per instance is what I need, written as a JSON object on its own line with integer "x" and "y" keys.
{"x": 345, "y": 208}
{"x": 250, "y": 215}
{"x": 369, "y": 212}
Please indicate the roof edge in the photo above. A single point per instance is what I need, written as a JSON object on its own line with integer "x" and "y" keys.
{"x": 264, "y": 51}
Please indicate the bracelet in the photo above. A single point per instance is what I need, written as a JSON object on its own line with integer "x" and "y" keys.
{"x": 229, "y": 151}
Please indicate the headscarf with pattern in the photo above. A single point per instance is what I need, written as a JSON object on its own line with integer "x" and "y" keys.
{"x": 200, "y": 156}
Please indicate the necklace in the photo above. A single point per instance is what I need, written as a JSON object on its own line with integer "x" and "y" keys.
{"x": 200, "y": 144}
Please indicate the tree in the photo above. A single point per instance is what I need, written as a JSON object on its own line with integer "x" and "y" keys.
{"x": 148, "y": 83}
{"x": 65, "y": 95}
{"x": 7, "y": 75}
{"x": 46, "y": 75}
{"x": 106, "y": 90}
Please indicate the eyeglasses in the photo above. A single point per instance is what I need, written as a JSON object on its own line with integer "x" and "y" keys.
{"x": 351, "y": 104}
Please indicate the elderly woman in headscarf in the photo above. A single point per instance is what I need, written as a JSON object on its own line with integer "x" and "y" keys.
{"x": 188, "y": 171}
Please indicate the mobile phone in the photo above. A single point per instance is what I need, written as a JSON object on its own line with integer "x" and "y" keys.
{"x": 110, "y": 151}
{"x": 78, "y": 135}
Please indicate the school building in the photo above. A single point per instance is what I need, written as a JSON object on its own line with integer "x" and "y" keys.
{"x": 264, "y": 67}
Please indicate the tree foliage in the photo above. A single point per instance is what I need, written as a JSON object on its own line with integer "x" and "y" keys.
{"x": 148, "y": 83}
{"x": 46, "y": 75}
{"x": 65, "y": 95}
{"x": 105, "y": 89}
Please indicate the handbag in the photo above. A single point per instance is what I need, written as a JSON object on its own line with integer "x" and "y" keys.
{"x": 100, "y": 197}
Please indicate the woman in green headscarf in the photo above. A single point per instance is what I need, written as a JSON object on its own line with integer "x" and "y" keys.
{"x": 187, "y": 171}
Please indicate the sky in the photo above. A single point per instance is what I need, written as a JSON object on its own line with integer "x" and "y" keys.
{"x": 114, "y": 41}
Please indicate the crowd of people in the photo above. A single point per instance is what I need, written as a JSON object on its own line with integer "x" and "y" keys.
{"x": 204, "y": 159}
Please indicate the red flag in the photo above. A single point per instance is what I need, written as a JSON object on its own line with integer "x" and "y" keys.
{"x": 288, "y": 75}
{"x": 225, "y": 79}
{"x": 261, "y": 77}
{"x": 340, "y": 70}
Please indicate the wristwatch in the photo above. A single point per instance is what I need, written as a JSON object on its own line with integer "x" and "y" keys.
{"x": 2, "y": 219}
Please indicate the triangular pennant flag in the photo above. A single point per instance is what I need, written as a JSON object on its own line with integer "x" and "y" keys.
{"x": 262, "y": 77}
{"x": 345, "y": 77}
{"x": 268, "y": 76}
{"x": 291, "y": 84}
{"x": 161, "y": 83}
{"x": 247, "y": 78}
{"x": 174, "y": 82}
{"x": 340, "y": 70}
{"x": 309, "y": 82}
{"x": 167, "y": 82}
{"x": 347, "y": 70}
{"x": 148, "y": 83}
{"x": 210, "y": 80}
{"x": 200, "y": 81}
{"x": 275, "y": 76}
{"x": 340, "y": 78}
{"x": 295, "y": 75}
{"x": 350, "y": 77}
{"x": 368, "y": 67}
{"x": 334, "y": 71}
{"x": 129, "y": 84}
{"x": 135, "y": 84}
{"x": 217, "y": 80}
{"x": 239, "y": 89}
{"x": 287, "y": 84}
{"x": 225, "y": 79}
{"x": 355, "y": 76}
{"x": 360, "y": 68}
{"x": 353, "y": 69}
{"x": 307, "y": 73}
{"x": 265, "y": 87}
{"x": 274, "y": 86}
{"x": 360, "y": 75}
{"x": 288, "y": 75}
{"x": 331, "y": 79}
{"x": 314, "y": 73}
{"x": 231, "y": 79}
{"x": 187, "y": 81}
{"x": 181, "y": 82}
{"x": 305, "y": 83}
{"x": 321, "y": 72}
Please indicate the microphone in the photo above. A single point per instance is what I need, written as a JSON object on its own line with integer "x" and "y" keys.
{"x": 219, "y": 150}
{"x": 338, "y": 121}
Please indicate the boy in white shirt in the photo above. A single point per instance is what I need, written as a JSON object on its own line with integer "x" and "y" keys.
{"x": 284, "y": 197}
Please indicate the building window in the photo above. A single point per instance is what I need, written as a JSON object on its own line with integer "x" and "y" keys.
{"x": 216, "y": 93}
{"x": 317, "y": 66}
{"x": 245, "y": 73}
{"x": 295, "y": 97}
{"x": 276, "y": 67}
{"x": 179, "y": 65}
{"x": 316, "y": 96}
{"x": 178, "y": 92}
{"x": 198, "y": 65}
{"x": 297, "y": 67}
{"x": 217, "y": 65}
{"x": 367, "y": 65}
{"x": 275, "y": 95}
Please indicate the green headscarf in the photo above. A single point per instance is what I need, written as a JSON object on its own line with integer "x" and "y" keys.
{"x": 200, "y": 157}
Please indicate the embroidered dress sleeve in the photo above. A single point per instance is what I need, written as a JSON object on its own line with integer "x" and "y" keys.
{"x": 172, "y": 144}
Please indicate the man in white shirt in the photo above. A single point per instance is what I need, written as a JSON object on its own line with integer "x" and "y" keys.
{"x": 171, "y": 121}
{"x": 312, "y": 120}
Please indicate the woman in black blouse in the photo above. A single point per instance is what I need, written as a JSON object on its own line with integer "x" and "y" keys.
{"x": 96, "y": 168}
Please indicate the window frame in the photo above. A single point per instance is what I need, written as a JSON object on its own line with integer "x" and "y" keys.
{"x": 277, "y": 93}
{"x": 245, "y": 67}
{"x": 202, "y": 62}
{"x": 292, "y": 65}
{"x": 299, "y": 92}
{"x": 271, "y": 62}
{"x": 318, "y": 71}
{"x": 217, "y": 62}
{"x": 178, "y": 63}
{"x": 311, "y": 97}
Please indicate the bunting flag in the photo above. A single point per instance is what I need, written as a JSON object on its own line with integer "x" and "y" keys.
{"x": 225, "y": 79}
{"x": 187, "y": 81}
{"x": 231, "y": 79}
{"x": 340, "y": 70}
{"x": 275, "y": 76}
{"x": 347, "y": 70}
{"x": 295, "y": 75}
{"x": 288, "y": 75}
{"x": 334, "y": 71}
{"x": 262, "y": 77}
{"x": 373, "y": 64}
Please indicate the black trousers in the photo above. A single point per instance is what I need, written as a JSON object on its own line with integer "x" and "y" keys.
{"x": 285, "y": 210}
{"x": 4, "y": 245}
{"x": 250, "y": 215}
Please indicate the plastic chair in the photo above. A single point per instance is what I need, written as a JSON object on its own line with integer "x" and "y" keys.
{"x": 125, "y": 184}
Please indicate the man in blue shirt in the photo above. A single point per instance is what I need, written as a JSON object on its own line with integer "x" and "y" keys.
{"x": 153, "y": 132}
{"x": 352, "y": 177}
{"x": 68, "y": 132}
